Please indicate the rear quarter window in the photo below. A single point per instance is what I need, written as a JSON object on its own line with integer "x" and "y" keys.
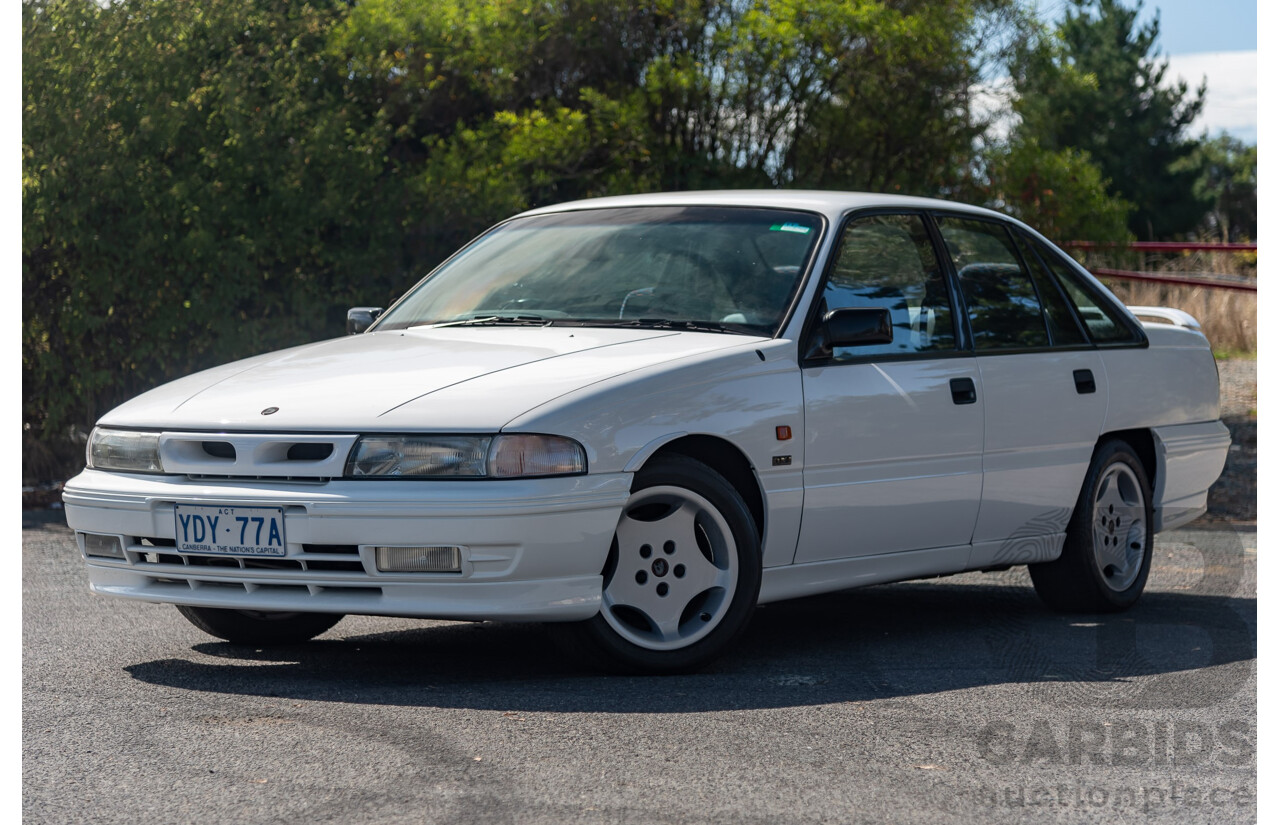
{"x": 1105, "y": 323}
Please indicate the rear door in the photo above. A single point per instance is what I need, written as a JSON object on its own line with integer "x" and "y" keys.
{"x": 1043, "y": 383}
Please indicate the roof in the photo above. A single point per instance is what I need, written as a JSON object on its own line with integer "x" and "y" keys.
{"x": 831, "y": 204}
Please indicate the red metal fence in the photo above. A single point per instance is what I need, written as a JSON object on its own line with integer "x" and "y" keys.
{"x": 1167, "y": 278}
{"x": 1165, "y": 246}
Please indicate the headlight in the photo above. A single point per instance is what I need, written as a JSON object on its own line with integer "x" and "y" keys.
{"x": 465, "y": 456}
{"x": 125, "y": 450}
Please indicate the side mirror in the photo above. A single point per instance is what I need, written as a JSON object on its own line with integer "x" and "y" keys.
{"x": 361, "y": 318}
{"x": 857, "y": 326}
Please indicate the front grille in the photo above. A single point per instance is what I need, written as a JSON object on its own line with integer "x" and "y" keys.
{"x": 219, "y": 449}
{"x": 280, "y": 457}
{"x": 333, "y": 558}
{"x": 273, "y": 479}
{"x": 310, "y": 452}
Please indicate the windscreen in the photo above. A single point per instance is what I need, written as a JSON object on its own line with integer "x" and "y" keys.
{"x": 714, "y": 268}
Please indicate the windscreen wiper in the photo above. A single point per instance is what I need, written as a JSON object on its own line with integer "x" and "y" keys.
{"x": 669, "y": 323}
{"x": 490, "y": 320}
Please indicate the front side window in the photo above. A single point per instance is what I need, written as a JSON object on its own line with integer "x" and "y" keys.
{"x": 1004, "y": 309}
{"x": 730, "y": 269}
{"x": 888, "y": 261}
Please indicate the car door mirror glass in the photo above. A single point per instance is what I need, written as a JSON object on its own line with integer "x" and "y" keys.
{"x": 858, "y": 326}
{"x": 361, "y": 318}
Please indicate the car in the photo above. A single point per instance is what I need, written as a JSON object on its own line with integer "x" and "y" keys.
{"x": 637, "y": 418}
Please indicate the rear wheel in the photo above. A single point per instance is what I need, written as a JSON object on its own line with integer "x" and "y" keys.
{"x": 259, "y": 627}
{"x": 682, "y": 576}
{"x": 1107, "y": 555}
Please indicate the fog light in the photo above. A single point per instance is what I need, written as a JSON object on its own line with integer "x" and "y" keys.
{"x": 433, "y": 559}
{"x": 102, "y": 546}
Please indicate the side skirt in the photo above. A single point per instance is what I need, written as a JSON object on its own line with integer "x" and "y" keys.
{"x": 795, "y": 580}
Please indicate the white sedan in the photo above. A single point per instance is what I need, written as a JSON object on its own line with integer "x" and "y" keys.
{"x": 639, "y": 417}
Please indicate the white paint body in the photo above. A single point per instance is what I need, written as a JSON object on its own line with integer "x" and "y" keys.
{"x": 883, "y": 479}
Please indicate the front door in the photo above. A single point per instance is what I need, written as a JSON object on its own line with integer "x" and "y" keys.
{"x": 894, "y": 432}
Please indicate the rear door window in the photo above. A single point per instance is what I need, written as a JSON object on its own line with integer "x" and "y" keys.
{"x": 1000, "y": 298}
{"x": 1064, "y": 331}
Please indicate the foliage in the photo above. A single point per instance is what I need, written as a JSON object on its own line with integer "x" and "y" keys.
{"x": 1227, "y": 178}
{"x": 197, "y": 186}
{"x": 1096, "y": 85}
{"x": 1061, "y": 193}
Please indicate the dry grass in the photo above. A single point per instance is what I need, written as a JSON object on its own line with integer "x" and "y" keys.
{"x": 1229, "y": 317}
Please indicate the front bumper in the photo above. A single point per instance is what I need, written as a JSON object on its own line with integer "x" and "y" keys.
{"x": 532, "y": 549}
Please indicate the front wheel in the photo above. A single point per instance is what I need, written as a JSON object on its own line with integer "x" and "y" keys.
{"x": 259, "y": 627}
{"x": 1107, "y": 555}
{"x": 682, "y": 575}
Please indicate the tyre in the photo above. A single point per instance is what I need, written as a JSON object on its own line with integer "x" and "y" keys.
{"x": 259, "y": 627}
{"x": 682, "y": 575}
{"x": 1107, "y": 555}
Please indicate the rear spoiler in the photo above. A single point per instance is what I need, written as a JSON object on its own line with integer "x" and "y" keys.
{"x": 1166, "y": 315}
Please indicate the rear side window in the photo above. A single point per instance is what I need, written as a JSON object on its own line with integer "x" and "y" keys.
{"x": 1106, "y": 325}
{"x": 1063, "y": 329}
{"x": 1004, "y": 309}
{"x": 888, "y": 261}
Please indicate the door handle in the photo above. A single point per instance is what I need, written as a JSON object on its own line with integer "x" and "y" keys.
{"x": 1084, "y": 382}
{"x": 963, "y": 391}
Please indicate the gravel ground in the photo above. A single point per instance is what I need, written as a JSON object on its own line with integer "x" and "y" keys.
{"x": 1235, "y": 497}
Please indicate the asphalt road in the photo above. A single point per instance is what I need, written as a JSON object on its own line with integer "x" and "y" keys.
{"x": 954, "y": 700}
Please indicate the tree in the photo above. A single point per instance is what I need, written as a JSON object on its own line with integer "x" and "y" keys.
{"x": 1227, "y": 177}
{"x": 197, "y": 186}
{"x": 1061, "y": 193}
{"x": 1097, "y": 85}
{"x": 898, "y": 113}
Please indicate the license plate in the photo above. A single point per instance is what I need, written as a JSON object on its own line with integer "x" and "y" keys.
{"x": 229, "y": 531}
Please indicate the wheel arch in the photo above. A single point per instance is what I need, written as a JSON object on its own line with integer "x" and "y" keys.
{"x": 726, "y": 459}
{"x": 1144, "y": 444}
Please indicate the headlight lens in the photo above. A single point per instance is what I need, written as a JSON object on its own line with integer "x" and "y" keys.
{"x": 437, "y": 456}
{"x": 471, "y": 456}
{"x": 126, "y": 450}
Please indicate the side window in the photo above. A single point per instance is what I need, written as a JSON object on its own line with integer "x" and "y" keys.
{"x": 1105, "y": 323}
{"x": 1004, "y": 309}
{"x": 1063, "y": 329}
{"x": 888, "y": 261}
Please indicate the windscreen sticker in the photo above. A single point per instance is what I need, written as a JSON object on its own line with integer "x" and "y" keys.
{"x": 790, "y": 227}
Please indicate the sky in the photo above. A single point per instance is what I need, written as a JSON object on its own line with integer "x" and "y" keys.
{"x": 1215, "y": 40}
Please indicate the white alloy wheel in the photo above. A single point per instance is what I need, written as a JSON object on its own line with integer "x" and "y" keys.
{"x": 1107, "y": 553}
{"x": 1119, "y": 527}
{"x": 673, "y": 569}
{"x": 682, "y": 575}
